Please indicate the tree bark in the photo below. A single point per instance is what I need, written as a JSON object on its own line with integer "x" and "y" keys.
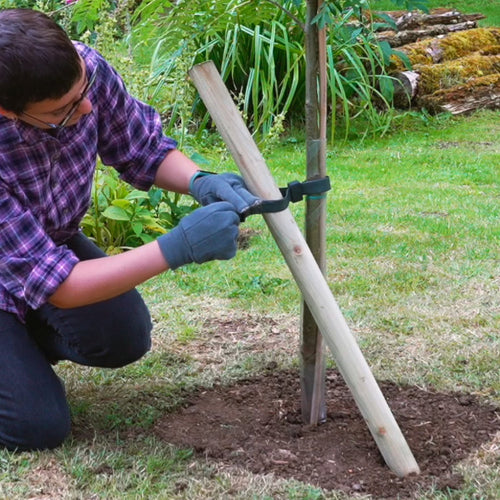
{"x": 425, "y": 80}
{"x": 483, "y": 93}
{"x": 400, "y": 38}
{"x": 451, "y": 47}
{"x": 414, "y": 20}
{"x": 313, "y": 399}
{"x": 456, "y": 73}
{"x": 405, "y": 88}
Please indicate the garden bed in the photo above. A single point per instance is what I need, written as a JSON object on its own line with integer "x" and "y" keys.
{"x": 256, "y": 424}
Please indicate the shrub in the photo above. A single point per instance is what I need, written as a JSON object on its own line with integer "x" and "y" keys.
{"x": 259, "y": 50}
{"x": 121, "y": 218}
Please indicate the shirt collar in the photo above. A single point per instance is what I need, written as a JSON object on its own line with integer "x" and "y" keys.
{"x": 16, "y": 131}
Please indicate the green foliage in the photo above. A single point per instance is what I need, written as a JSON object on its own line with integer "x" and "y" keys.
{"x": 121, "y": 218}
{"x": 259, "y": 49}
{"x": 86, "y": 14}
{"x": 487, "y": 7}
{"x": 45, "y": 5}
{"x": 260, "y": 64}
{"x": 359, "y": 83}
{"x": 422, "y": 5}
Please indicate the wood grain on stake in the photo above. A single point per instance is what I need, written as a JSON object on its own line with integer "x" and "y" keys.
{"x": 306, "y": 272}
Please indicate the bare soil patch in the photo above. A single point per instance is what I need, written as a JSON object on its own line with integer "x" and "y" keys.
{"x": 256, "y": 424}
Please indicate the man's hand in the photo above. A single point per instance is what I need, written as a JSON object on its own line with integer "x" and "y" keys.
{"x": 208, "y": 233}
{"x": 210, "y": 188}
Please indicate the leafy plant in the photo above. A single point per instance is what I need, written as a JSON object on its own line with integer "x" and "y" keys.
{"x": 259, "y": 50}
{"x": 121, "y": 218}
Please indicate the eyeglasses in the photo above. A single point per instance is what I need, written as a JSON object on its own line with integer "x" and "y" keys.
{"x": 71, "y": 112}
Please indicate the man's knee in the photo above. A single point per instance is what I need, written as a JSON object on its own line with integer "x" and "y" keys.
{"x": 122, "y": 350}
{"x": 130, "y": 337}
{"x": 107, "y": 334}
{"x": 36, "y": 427}
{"x": 126, "y": 341}
{"x": 34, "y": 413}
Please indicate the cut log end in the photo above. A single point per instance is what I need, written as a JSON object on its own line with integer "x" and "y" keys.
{"x": 405, "y": 88}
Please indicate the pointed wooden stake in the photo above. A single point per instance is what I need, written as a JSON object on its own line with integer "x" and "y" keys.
{"x": 306, "y": 272}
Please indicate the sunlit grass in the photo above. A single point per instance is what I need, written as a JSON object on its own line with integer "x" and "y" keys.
{"x": 413, "y": 261}
{"x": 488, "y": 8}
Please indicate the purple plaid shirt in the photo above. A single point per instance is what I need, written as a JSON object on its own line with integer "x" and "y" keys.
{"x": 46, "y": 182}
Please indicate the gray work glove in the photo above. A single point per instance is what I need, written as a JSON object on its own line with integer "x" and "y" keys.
{"x": 208, "y": 233}
{"x": 208, "y": 188}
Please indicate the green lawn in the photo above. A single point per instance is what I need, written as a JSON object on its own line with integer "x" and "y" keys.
{"x": 490, "y": 8}
{"x": 413, "y": 261}
{"x": 413, "y": 244}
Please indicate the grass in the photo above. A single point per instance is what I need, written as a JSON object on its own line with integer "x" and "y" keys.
{"x": 490, "y": 8}
{"x": 413, "y": 261}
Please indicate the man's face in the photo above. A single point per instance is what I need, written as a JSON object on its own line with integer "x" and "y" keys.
{"x": 65, "y": 111}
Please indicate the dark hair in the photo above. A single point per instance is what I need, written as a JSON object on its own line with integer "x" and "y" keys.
{"x": 37, "y": 59}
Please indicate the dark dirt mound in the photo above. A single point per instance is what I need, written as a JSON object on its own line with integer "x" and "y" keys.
{"x": 256, "y": 424}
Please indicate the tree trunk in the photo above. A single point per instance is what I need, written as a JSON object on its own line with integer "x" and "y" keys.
{"x": 481, "y": 93}
{"x": 399, "y": 38}
{"x": 405, "y": 88}
{"x": 415, "y": 19}
{"x": 425, "y": 80}
{"x": 309, "y": 278}
{"x": 312, "y": 378}
{"x": 451, "y": 47}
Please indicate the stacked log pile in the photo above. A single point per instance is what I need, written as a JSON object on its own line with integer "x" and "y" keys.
{"x": 455, "y": 65}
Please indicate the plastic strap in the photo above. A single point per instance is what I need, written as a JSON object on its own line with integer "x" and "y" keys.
{"x": 199, "y": 173}
{"x": 295, "y": 191}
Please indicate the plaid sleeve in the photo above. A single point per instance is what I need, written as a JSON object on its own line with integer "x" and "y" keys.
{"x": 31, "y": 266}
{"x": 131, "y": 138}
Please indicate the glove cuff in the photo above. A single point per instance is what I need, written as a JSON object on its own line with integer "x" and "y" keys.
{"x": 200, "y": 173}
{"x": 172, "y": 247}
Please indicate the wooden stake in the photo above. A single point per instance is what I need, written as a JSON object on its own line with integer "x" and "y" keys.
{"x": 306, "y": 272}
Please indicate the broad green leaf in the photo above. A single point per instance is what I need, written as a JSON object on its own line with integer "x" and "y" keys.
{"x": 137, "y": 227}
{"x": 122, "y": 203}
{"x": 199, "y": 159}
{"x": 137, "y": 195}
{"x": 116, "y": 213}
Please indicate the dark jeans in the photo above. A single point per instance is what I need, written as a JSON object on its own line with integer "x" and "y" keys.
{"x": 34, "y": 413}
